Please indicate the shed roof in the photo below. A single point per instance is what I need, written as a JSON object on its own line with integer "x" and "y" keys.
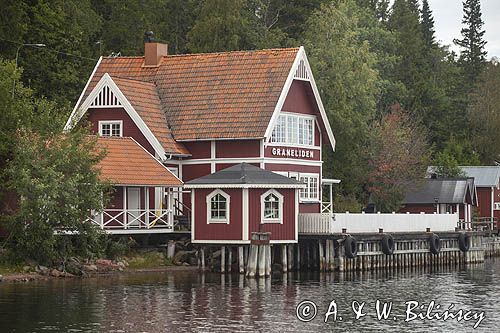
{"x": 128, "y": 163}
{"x": 450, "y": 191}
{"x": 244, "y": 175}
{"x": 484, "y": 176}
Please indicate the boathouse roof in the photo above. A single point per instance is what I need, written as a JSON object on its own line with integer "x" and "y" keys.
{"x": 484, "y": 176}
{"x": 449, "y": 191}
{"x": 245, "y": 175}
{"x": 127, "y": 163}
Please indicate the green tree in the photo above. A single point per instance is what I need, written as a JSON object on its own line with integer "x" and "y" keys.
{"x": 427, "y": 24}
{"x": 51, "y": 176}
{"x": 484, "y": 114}
{"x": 219, "y": 27}
{"x": 398, "y": 157}
{"x": 349, "y": 86}
{"x": 473, "y": 55}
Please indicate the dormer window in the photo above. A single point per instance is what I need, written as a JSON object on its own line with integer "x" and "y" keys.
{"x": 218, "y": 207}
{"x": 272, "y": 207}
{"x": 294, "y": 129}
{"x": 111, "y": 128}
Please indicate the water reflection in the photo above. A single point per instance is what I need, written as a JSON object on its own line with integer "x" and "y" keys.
{"x": 188, "y": 301}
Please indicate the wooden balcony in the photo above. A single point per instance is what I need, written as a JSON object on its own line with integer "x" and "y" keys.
{"x": 134, "y": 221}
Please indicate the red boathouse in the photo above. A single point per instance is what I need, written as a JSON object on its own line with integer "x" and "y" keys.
{"x": 198, "y": 114}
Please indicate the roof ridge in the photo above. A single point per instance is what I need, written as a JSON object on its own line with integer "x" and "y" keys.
{"x": 129, "y": 79}
{"x": 214, "y": 53}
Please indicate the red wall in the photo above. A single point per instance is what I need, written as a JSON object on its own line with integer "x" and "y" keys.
{"x": 129, "y": 127}
{"x": 285, "y": 231}
{"x": 219, "y": 231}
{"x": 237, "y": 148}
{"x": 198, "y": 149}
{"x": 221, "y": 166}
{"x": 484, "y": 201}
{"x": 300, "y": 99}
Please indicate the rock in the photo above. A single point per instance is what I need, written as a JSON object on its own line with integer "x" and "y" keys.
{"x": 121, "y": 265}
{"x": 67, "y": 274}
{"x": 42, "y": 270}
{"x": 104, "y": 262}
{"x": 55, "y": 273}
{"x": 183, "y": 257}
{"x": 89, "y": 268}
{"x": 1, "y": 278}
{"x": 186, "y": 264}
{"x": 73, "y": 268}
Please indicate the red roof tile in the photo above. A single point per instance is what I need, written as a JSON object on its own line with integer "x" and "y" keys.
{"x": 207, "y": 96}
{"x": 144, "y": 98}
{"x": 127, "y": 163}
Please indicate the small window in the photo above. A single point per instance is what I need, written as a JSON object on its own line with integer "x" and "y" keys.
{"x": 110, "y": 128}
{"x": 272, "y": 207}
{"x": 497, "y": 206}
{"x": 218, "y": 207}
{"x": 311, "y": 191}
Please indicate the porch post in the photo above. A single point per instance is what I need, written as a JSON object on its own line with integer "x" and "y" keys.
{"x": 146, "y": 203}
{"x": 125, "y": 208}
{"x": 331, "y": 199}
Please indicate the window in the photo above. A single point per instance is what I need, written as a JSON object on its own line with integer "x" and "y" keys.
{"x": 110, "y": 128}
{"x": 311, "y": 191}
{"x": 294, "y": 129}
{"x": 497, "y": 206}
{"x": 272, "y": 207}
{"x": 218, "y": 207}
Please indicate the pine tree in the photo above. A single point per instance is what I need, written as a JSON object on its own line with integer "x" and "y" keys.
{"x": 427, "y": 24}
{"x": 473, "y": 56}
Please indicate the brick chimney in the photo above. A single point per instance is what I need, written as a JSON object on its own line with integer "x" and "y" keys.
{"x": 153, "y": 51}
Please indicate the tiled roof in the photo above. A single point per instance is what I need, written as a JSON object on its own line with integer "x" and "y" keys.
{"x": 144, "y": 98}
{"x": 213, "y": 95}
{"x": 127, "y": 163}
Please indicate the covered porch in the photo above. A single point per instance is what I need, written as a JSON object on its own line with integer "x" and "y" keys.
{"x": 144, "y": 190}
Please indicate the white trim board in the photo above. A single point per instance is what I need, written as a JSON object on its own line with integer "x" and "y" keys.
{"x": 301, "y": 55}
{"x": 107, "y": 81}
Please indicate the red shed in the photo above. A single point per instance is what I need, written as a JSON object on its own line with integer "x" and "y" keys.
{"x": 230, "y": 204}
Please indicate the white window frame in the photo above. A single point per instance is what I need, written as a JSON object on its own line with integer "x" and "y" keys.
{"x": 212, "y": 194}
{"x": 280, "y": 197}
{"x": 496, "y": 206}
{"x": 111, "y": 123}
{"x": 278, "y": 139}
{"x": 307, "y": 190}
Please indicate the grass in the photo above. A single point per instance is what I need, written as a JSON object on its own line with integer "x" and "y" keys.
{"x": 6, "y": 268}
{"x": 151, "y": 259}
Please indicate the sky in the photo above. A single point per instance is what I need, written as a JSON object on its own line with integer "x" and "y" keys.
{"x": 448, "y": 16}
{"x": 448, "y": 23}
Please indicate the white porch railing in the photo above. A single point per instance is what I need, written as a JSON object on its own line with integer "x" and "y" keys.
{"x": 372, "y": 223}
{"x": 315, "y": 223}
{"x": 326, "y": 208}
{"x": 134, "y": 219}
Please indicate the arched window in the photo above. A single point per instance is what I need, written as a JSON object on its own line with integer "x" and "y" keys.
{"x": 272, "y": 207}
{"x": 218, "y": 207}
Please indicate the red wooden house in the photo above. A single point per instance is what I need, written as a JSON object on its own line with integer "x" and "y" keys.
{"x": 230, "y": 204}
{"x": 487, "y": 181}
{"x": 201, "y": 113}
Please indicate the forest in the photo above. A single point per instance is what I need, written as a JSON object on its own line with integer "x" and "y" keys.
{"x": 397, "y": 99}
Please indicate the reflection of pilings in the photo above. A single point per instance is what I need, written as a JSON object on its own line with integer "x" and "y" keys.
{"x": 410, "y": 252}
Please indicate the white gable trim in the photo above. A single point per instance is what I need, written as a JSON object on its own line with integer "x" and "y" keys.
{"x": 300, "y": 60}
{"x": 107, "y": 81}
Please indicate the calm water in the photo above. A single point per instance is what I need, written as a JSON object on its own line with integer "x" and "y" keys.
{"x": 186, "y": 302}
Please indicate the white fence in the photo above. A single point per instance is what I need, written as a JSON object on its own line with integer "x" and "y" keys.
{"x": 371, "y": 223}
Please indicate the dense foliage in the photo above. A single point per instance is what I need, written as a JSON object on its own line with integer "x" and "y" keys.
{"x": 367, "y": 56}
